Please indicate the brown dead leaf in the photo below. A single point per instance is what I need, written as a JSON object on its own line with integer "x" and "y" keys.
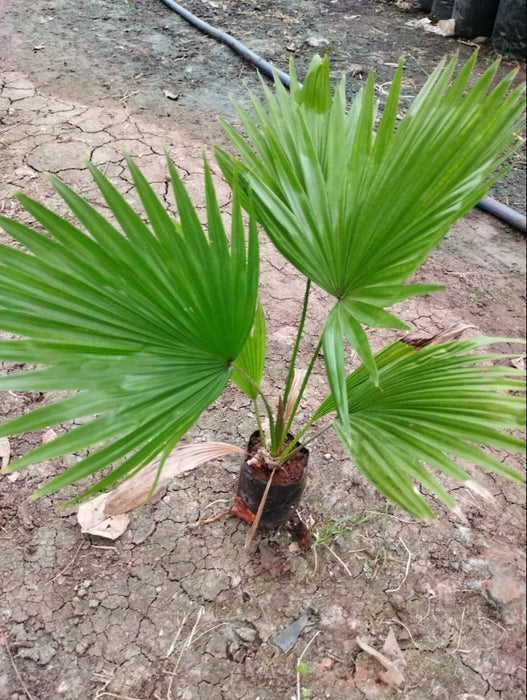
{"x": 268, "y": 560}
{"x": 134, "y": 492}
{"x": 393, "y": 651}
{"x": 94, "y": 521}
{"x": 451, "y": 333}
{"x": 391, "y": 675}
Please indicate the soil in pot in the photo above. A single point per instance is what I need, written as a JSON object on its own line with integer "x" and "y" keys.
{"x": 285, "y": 491}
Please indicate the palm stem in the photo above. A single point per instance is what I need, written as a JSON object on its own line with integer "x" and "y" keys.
{"x": 291, "y": 372}
{"x": 259, "y": 392}
{"x": 259, "y": 422}
{"x": 311, "y": 365}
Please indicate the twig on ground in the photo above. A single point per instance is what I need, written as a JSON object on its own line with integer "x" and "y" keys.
{"x": 298, "y": 663}
{"x": 394, "y": 590}
{"x": 185, "y": 645}
{"x": 67, "y": 565}
{"x": 458, "y": 645}
{"x": 345, "y": 566}
{"x": 431, "y": 595}
{"x": 177, "y": 635}
{"x": 107, "y": 694}
{"x": 15, "y": 669}
{"x": 218, "y": 500}
{"x": 212, "y": 519}
{"x": 259, "y": 513}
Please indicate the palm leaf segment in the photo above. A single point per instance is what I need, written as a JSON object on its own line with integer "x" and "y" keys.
{"x": 434, "y": 402}
{"x": 357, "y": 211}
{"x": 144, "y": 323}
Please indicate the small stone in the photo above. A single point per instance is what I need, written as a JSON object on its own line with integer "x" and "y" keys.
{"x": 48, "y": 436}
{"x": 317, "y": 41}
{"x": 246, "y": 634}
{"x": 236, "y": 579}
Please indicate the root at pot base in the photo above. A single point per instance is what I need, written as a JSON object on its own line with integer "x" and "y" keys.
{"x": 285, "y": 491}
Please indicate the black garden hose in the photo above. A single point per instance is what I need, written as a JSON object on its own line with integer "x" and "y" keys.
{"x": 503, "y": 212}
{"x": 488, "y": 204}
{"x": 239, "y": 48}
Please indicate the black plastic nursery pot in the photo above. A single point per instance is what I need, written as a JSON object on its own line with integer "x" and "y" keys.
{"x": 284, "y": 494}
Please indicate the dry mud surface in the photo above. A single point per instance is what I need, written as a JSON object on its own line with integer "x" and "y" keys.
{"x": 172, "y": 611}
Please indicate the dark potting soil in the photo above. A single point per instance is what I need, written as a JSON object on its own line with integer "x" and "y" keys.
{"x": 291, "y": 471}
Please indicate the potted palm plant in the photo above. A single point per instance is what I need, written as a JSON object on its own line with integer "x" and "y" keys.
{"x": 148, "y": 324}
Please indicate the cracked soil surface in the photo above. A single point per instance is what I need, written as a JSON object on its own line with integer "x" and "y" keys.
{"x": 172, "y": 611}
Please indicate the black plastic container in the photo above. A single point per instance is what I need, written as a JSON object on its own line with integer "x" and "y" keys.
{"x": 508, "y": 36}
{"x": 475, "y": 18}
{"x": 442, "y": 9}
{"x": 425, "y": 5}
{"x": 282, "y": 499}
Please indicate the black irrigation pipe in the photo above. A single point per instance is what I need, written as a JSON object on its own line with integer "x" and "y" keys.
{"x": 488, "y": 204}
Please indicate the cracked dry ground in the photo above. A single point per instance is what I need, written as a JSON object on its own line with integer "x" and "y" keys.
{"x": 173, "y": 611}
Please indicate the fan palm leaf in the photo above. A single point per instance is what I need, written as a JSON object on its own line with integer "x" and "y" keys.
{"x": 433, "y": 403}
{"x": 144, "y": 323}
{"x": 356, "y": 211}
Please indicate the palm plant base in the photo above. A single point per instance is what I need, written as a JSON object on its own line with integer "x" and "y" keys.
{"x": 284, "y": 493}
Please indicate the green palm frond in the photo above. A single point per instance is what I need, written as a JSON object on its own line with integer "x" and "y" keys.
{"x": 356, "y": 211}
{"x": 433, "y": 404}
{"x": 249, "y": 367}
{"x": 144, "y": 323}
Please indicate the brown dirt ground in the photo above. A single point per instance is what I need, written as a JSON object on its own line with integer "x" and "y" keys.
{"x": 170, "y": 611}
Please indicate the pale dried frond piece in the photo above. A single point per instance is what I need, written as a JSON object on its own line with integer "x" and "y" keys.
{"x": 5, "y": 451}
{"x": 133, "y": 493}
{"x": 480, "y": 490}
{"x": 107, "y": 515}
{"x": 296, "y": 385}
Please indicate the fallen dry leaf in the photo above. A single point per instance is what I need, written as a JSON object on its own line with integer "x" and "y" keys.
{"x": 451, "y": 333}
{"x": 93, "y": 520}
{"x": 518, "y": 362}
{"x": 391, "y": 675}
{"x": 479, "y": 489}
{"x": 268, "y": 560}
{"x": 133, "y": 493}
{"x": 106, "y": 515}
{"x": 393, "y": 651}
